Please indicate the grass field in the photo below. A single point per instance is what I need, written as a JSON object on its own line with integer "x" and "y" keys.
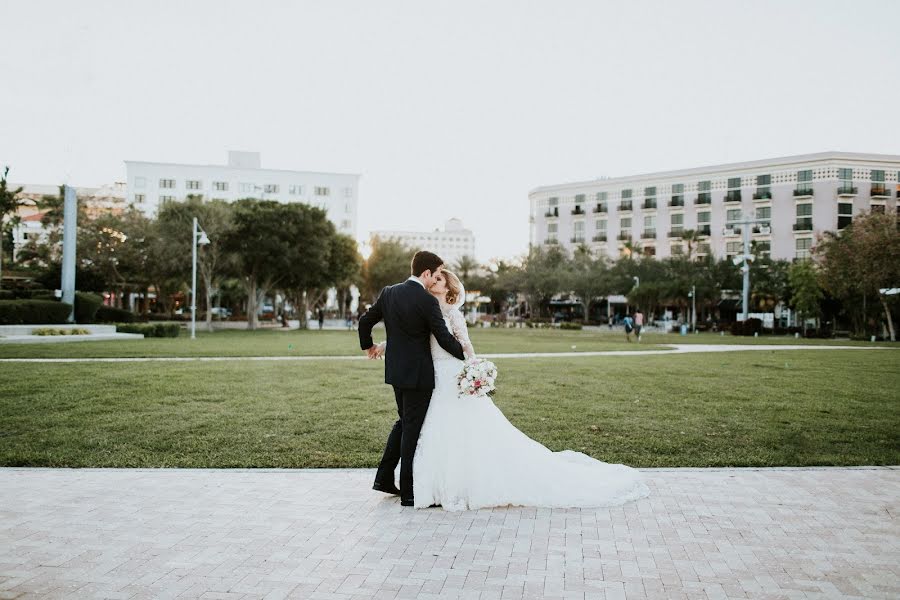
{"x": 837, "y": 407}
{"x": 337, "y": 343}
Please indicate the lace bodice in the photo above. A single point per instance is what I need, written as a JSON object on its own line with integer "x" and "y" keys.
{"x": 456, "y": 323}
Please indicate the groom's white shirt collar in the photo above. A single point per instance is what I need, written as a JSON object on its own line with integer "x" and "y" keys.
{"x": 416, "y": 279}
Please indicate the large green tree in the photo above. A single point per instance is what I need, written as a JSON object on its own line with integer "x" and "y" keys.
{"x": 861, "y": 260}
{"x": 806, "y": 293}
{"x": 388, "y": 263}
{"x": 9, "y": 206}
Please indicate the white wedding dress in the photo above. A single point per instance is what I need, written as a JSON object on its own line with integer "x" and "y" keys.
{"x": 470, "y": 456}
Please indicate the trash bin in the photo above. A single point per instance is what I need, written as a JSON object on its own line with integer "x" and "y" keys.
{"x": 683, "y": 329}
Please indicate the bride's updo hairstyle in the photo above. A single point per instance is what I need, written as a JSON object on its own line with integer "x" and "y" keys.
{"x": 454, "y": 287}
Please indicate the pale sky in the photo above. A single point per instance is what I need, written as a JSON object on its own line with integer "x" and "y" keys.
{"x": 445, "y": 108}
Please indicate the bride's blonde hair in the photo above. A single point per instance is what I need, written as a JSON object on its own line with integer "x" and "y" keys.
{"x": 454, "y": 287}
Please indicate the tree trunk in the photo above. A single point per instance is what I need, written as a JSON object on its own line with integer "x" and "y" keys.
{"x": 887, "y": 314}
{"x": 207, "y": 285}
{"x": 251, "y": 304}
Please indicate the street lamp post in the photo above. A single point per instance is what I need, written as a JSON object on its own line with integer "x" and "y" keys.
{"x": 693, "y": 296}
{"x": 199, "y": 238}
{"x": 744, "y": 260}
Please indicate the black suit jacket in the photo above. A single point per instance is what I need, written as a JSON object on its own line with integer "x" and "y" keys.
{"x": 410, "y": 316}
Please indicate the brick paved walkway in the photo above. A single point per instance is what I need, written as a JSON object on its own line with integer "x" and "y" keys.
{"x": 703, "y": 533}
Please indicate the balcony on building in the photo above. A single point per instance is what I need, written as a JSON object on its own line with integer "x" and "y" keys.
{"x": 762, "y": 229}
{"x": 577, "y": 210}
{"x": 704, "y": 230}
{"x": 648, "y": 234}
{"x": 551, "y": 241}
{"x": 649, "y": 203}
{"x": 804, "y": 224}
{"x": 578, "y": 239}
{"x": 600, "y": 237}
{"x": 763, "y": 194}
{"x": 803, "y": 192}
{"x": 703, "y": 198}
{"x": 625, "y": 206}
{"x": 879, "y": 191}
{"x": 732, "y": 230}
{"x": 733, "y": 196}
{"x": 676, "y": 233}
{"x": 625, "y": 235}
{"x": 676, "y": 201}
{"x": 552, "y": 212}
{"x": 847, "y": 190}
{"x": 600, "y": 208}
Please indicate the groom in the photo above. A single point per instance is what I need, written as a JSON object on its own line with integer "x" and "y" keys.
{"x": 411, "y": 315}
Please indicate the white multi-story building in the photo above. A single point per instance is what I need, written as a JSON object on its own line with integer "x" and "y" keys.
{"x": 451, "y": 244}
{"x": 149, "y": 184}
{"x": 794, "y": 199}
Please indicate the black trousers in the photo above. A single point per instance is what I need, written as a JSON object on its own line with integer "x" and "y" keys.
{"x": 401, "y": 443}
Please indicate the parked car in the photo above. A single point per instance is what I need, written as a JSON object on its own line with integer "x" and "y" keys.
{"x": 267, "y": 311}
{"x": 220, "y": 311}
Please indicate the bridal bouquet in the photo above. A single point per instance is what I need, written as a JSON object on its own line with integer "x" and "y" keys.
{"x": 477, "y": 377}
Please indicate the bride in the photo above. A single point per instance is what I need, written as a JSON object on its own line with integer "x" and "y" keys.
{"x": 470, "y": 456}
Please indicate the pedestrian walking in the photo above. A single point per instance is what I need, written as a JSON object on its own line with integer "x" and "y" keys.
{"x": 638, "y": 324}
{"x": 628, "y": 322}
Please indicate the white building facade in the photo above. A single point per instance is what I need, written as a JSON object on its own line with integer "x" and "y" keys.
{"x": 149, "y": 184}
{"x": 451, "y": 243}
{"x": 793, "y": 198}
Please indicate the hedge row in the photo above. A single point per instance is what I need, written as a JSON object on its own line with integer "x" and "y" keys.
{"x": 111, "y": 314}
{"x": 33, "y": 312}
{"x": 150, "y": 329}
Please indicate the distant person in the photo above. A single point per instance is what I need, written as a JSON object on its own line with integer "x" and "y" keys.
{"x": 628, "y": 322}
{"x": 638, "y": 324}
{"x": 321, "y": 315}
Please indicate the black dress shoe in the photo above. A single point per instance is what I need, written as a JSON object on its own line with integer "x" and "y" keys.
{"x": 409, "y": 502}
{"x": 387, "y": 489}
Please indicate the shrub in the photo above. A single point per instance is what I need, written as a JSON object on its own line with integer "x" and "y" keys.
{"x": 150, "y": 329}
{"x": 33, "y": 312}
{"x": 572, "y": 325}
{"x": 54, "y": 331}
{"x": 7, "y": 295}
{"x": 111, "y": 314}
{"x": 86, "y": 306}
{"x": 748, "y": 327}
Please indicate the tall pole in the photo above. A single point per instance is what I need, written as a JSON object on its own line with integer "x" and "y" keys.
{"x": 70, "y": 216}
{"x": 194, "y": 280}
{"x": 745, "y": 231}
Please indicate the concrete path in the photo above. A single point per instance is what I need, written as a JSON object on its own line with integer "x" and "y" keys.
{"x": 703, "y": 533}
{"x": 669, "y": 349}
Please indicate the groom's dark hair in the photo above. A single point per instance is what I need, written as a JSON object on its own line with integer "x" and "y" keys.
{"x": 425, "y": 261}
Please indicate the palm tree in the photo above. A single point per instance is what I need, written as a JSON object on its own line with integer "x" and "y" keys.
{"x": 691, "y": 237}
{"x": 632, "y": 249}
{"x": 465, "y": 266}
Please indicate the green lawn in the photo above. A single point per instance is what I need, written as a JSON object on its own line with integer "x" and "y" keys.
{"x": 337, "y": 343}
{"x": 731, "y": 409}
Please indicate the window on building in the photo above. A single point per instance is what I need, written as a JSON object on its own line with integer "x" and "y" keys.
{"x": 764, "y": 214}
{"x": 348, "y": 192}
{"x": 552, "y": 228}
{"x": 270, "y": 188}
{"x": 220, "y": 186}
{"x": 650, "y": 192}
{"x": 878, "y": 209}
{"x": 802, "y": 248}
{"x": 246, "y": 188}
{"x": 601, "y": 196}
{"x": 626, "y": 194}
{"x": 676, "y": 249}
{"x": 677, "y": 195}
{"x": 579, "y": 231}
{"x": 877, "y": 176}
{"x": 346, "y": 224}
{"x": 167, "y": 198}
{"x": 804, "y": 183}
{"x": 703, "y": 248}
{"x": 845, "y": 214}
{"x": 295, "y": 190}
{"x": 732, "y": 216}
{"x": 703, "y": 194}
{"x": 763, "y": 189}
{"x": 167, "y": 183}
{"x": 553, "y": 201}
{"x": 804, "y": 217}
{"x": 733, "y": 248}
{"x": 140, "y": 182}
{"x": 878, "y": 187}
{"x": 703, "y": 217}
{"x": 734, "y": 190}
{"x": 625, "y": 223}
{"x": 762, "y": 249}
{"x": 677, "y": 222}
{"x": 322, "y": 191}
{"x": 139, "y": 198}
{"x": 192, "y": 184}
{"x": 601, "y": 225}
{"x": 703, "y": 222}
{"x": 734, "y": 183}
{"x": 649, "y": 250}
